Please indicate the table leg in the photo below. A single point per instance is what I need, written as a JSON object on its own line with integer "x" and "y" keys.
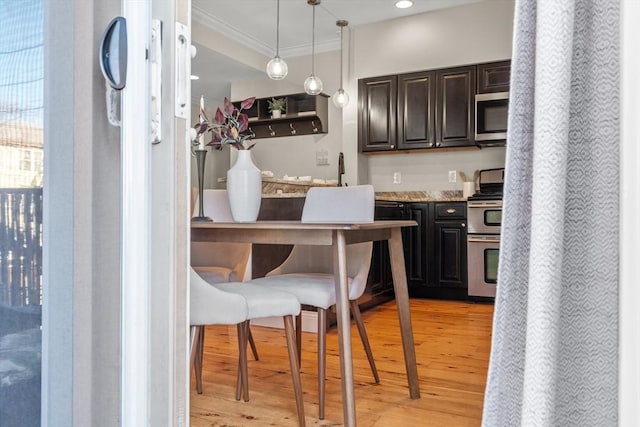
{"x": 344, "y": 327}
{"x": 396, "y": 255}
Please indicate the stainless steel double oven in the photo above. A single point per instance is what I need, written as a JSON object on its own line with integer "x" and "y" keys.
{"x": 484, "y": 219}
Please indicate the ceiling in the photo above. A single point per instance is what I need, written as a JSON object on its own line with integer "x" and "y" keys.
{"x": 253, "y": 23}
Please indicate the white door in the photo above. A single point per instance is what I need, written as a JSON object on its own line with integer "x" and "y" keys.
{"x": 155, "y": 217}
{"x": 115, "y": 332}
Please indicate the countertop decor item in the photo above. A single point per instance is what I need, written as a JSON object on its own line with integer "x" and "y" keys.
{"x": 230, "y": 126}
{"x": 277, "y": 107}
{"x": 200, "y": 153}
{"x": 244, "y": 187}
{"x": 201, "y": 156}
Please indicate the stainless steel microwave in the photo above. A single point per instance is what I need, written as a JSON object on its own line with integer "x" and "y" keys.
{"x": 491, "y": 118}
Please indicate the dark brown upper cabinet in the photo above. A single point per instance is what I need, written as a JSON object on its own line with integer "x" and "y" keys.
{"x": 416, "y": 110}
{"x": 377, "y": 100}
{"x": 455, "y": 107}
{"x": 435, "y": 108}
{"x": 494, "y": 77}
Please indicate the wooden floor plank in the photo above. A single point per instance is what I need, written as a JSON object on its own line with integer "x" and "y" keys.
{"x": 452, "y": 347}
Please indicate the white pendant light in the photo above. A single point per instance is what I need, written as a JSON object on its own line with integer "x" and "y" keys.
{"x": 313, "y": 85}
{"x": 277, "y": 68}
{"x": 341, "y": 98}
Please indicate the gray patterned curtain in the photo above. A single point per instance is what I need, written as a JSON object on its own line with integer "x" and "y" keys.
{"x": 555, "y": 347}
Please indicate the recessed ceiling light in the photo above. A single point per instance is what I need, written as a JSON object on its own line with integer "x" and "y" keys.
{"x": 403, "y": 4}
{"x": 194, "y": 77}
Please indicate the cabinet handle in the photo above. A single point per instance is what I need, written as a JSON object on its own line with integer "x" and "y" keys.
{"x": 463, "y": 225}
{"x": 393, "y": 146}
{"x": 451, "y": 211}
{"x": 438, "y": 144}
{"x": 430, "y": 144}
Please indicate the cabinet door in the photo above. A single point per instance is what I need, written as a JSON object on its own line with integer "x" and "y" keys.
{"x": 416, "y": 245}
{"x": 450, "y": 260}
{"x": 494, "y": 77}
{"x": 416, "y": 115}
{"x": 377, "y": 113}
{"x": 454, "y": 107}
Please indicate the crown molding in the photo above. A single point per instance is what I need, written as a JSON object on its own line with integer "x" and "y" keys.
{"x": 219, "y": 26}
{"x": 305, "y": 49}
{"x": 215, "y": 24}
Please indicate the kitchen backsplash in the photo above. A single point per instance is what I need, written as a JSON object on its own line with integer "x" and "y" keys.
{"x": 430, "y": 171}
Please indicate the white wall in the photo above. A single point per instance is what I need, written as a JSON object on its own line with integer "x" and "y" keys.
{"x": 296, "y": 155}
{"x": 475, "y": 33}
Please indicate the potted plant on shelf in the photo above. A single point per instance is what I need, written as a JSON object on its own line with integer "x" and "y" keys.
{"x": 230, "y": 126}
{"x": 277, "y": 107}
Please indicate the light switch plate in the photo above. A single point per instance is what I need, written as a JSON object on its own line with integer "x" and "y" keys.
{"x": 322, "y": 157}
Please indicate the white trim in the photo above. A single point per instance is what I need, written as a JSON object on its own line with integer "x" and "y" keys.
{"x": 258, "y": 45}
{"x": 135, "y": 279}
{"x": 629, "y": 296}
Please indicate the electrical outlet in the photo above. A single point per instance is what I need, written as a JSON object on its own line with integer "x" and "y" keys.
{"x": 397, "y": 178}
{"x": 452, "y": 176}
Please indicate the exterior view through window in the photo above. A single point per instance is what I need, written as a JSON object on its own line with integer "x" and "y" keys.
{"x": 21, "y": 176}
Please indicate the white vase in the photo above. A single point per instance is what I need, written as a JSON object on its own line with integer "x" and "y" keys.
{"x": 276, "y": 114}
{"x": 244, "y": 187}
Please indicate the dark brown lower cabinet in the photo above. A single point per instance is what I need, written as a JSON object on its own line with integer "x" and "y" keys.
{"x": 450, "y": 260}
{"x": 435, "y": 251}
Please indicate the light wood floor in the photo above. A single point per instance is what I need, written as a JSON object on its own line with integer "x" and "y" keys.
{"x": 452, "y": 346}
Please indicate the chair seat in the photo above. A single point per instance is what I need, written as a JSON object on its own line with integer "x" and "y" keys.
{"x": 210, "y": 306}
{"x": 215, "y": 274}
{"x": 262, "y": 301}
{"x": 316, "y": 289}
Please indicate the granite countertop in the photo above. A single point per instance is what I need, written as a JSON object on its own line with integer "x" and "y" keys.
{"x": 392, "y": 196}
{"x": 421, "y": 196}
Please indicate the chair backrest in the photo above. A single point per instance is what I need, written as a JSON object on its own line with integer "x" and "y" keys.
{"x": 335, "y": 205}
{"x": 212, "y": 306}
{"x": 235, "y": 256}
{"x": 339, "y": 204}
{"x": 215, "y": 204}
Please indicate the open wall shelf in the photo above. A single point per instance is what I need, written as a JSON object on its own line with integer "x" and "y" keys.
{"x": 304, "y": 115}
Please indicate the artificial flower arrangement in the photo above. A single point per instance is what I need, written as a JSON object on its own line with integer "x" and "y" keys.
{"x": 230, "y": 126}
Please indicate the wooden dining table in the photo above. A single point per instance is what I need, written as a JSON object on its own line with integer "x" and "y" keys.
{"x": 337, "y": 236}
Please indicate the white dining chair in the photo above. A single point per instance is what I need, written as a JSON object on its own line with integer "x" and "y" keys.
{"x": 238, "y": 303}
{"x": 308, "y": 271}
{"x": 221, "y": 262}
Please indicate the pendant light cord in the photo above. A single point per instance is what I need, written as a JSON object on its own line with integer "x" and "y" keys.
{"x": 278, "y": 28}
{"x": 341, "y": 56}
{"x": 313, "y": 41}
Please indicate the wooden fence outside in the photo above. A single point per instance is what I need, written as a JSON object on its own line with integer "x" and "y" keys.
{"x": 21, "y": 247}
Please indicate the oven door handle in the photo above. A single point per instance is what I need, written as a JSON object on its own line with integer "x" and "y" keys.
{"x": 471, "y": 205}
{"x": 484, "y": 239}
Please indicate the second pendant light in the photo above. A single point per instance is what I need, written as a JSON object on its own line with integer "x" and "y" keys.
{"x": 313, "y": 85}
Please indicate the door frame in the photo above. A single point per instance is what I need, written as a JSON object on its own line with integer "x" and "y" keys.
{"x": 83, "y": 355}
